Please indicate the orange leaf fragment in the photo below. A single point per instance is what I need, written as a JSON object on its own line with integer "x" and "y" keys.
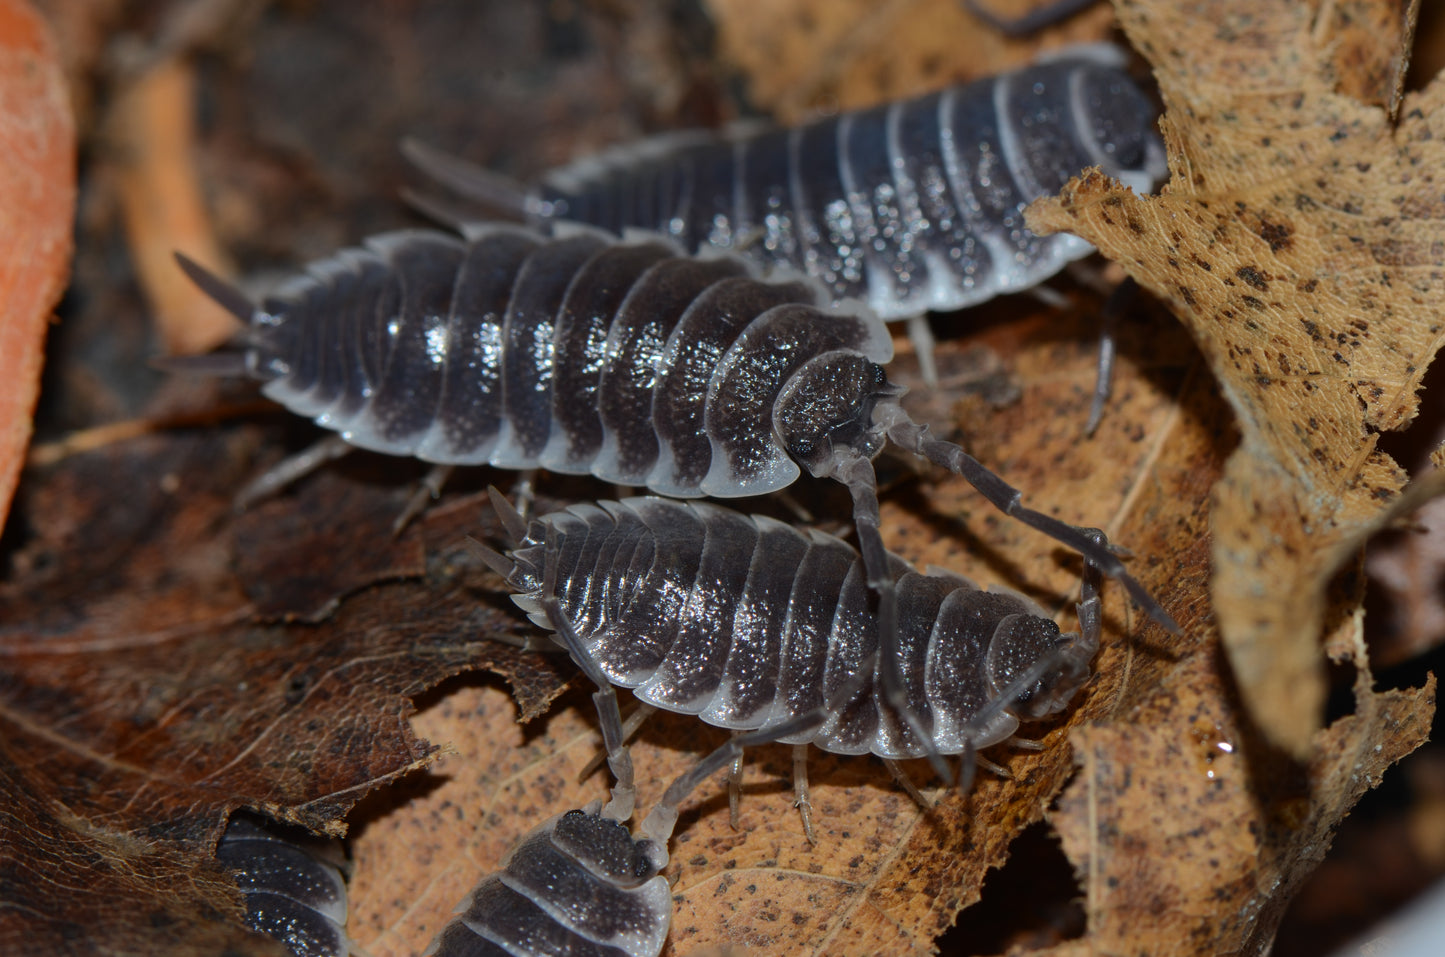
{"x": 37, "y": 207}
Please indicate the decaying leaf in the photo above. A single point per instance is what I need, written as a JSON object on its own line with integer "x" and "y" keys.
{"x": 1300, "y": 240}
{"x": 162, "y": 661}
{"x": 1188, "y": 843}
{"x": 142, "y": 697}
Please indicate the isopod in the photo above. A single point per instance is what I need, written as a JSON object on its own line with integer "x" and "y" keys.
{"x": 292, "y": 883}
{"x": 910, "y": 206}
{"x": 581, "y": 353}
{"x": 748, "y": 623}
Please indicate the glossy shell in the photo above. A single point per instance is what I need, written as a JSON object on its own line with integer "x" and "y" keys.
{"x": 747, "y": 623}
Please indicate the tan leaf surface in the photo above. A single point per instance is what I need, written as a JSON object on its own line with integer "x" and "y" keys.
{"x": 802, "y": 56}
{"x": 1299, "y": 240}
{"x": 1189, "y": 844}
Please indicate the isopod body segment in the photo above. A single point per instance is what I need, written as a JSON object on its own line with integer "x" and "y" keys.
{"x": 292, "y": 884}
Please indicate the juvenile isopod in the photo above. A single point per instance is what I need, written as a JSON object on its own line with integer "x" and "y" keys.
{"x": 749, "y": 623}
{"x": 292, "y": 883}
{"x": 910, "y": 206}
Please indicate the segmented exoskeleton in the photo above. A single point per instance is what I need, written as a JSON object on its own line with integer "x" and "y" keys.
{"x": 911, "y": 206}
{"x": 624, "y": 359}
{"x": 748, "y": 623}
{"x": 292, "y": 882}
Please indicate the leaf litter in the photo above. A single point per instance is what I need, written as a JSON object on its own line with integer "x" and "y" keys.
{"x": 885, "y": 877}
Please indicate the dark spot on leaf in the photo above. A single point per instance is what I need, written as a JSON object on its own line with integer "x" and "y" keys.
{"x": 1254, "y": 277}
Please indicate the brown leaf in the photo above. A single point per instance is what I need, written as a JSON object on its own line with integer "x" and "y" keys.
{"x": 1300, "y": 246}
{"x": 37, "y": 207}
{"x": 802, "y": 56}
{"x": 152, "y": 126}
{"x": 1188, "y": 844}
{"x": 142, "y": 700}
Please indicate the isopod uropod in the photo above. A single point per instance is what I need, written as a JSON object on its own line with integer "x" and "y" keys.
{"x": 749, "y": 623}
{"x": 292, "y": 883}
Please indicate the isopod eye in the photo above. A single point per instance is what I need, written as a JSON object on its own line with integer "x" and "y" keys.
{"x": 828, "y": 404}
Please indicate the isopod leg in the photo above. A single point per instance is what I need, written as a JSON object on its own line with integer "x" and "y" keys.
{"x": 920, "y": 333}
{"x": 1009, "y": 500}
{"x": 1090, "y": 608}
{"x": 429, "y": 490}
{"x": 993, "y": 767}
{"x": 662, "y": 818}
{"x": 1108, "y": 350}
{"x": 735, "y": 788}
{"x": 290, "y": 469}
{"x": 906, "y": 783}
{"x": 856, "y": 472}
{"x": 525, "y": 492}
{"x": 629, "y": 727}
{"x": 802, "y": 799}
{"x": 609, "y": 716}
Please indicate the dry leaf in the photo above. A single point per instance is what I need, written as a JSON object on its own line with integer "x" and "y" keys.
{"x": 154, "y": 139}
{"x": 1190, "y": 844}
{"x": 142, "y": 699}
{"x": 802, "y": 56}
{"x": 885, "y": 878}
{"x": 37, "y": 207}
{"x": 1299, "y": 239}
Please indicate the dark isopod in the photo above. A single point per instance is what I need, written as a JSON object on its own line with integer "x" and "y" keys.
{"x": 910, "y": 206}
{"x": 749, "y": 624}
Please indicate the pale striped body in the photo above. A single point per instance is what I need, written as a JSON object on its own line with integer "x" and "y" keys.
{"x": 911, "y": 206}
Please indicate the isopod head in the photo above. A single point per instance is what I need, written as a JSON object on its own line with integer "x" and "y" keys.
{"x": 608, "y": 849}
{"x": 1035, "y": 666}
{"x": 827, "y": 406}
